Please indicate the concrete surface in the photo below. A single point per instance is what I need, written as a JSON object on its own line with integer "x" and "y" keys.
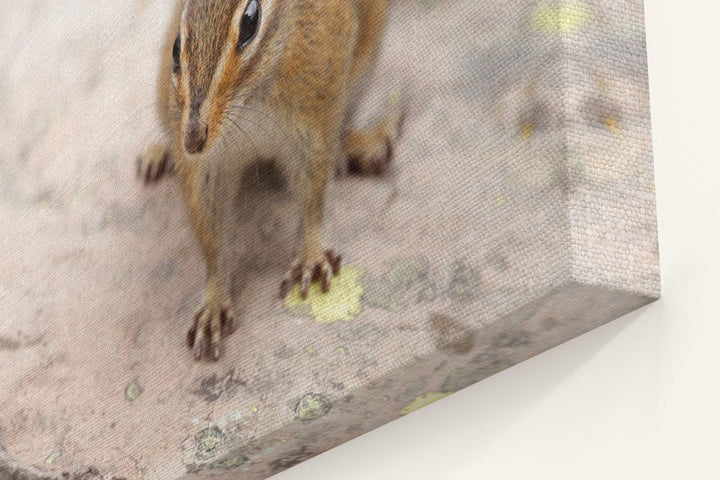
{"x": 519, "y": 213}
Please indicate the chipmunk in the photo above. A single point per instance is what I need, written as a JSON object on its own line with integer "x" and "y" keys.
{"x": 280, "y": 72}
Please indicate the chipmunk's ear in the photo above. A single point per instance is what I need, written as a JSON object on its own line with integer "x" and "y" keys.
{"x": 249, "y": 24}
{"x": 176, "y": 55}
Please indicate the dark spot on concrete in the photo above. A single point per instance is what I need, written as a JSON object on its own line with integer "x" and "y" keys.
{"x": 404, "y": 327}
{"x": 121, "y": 217}
{"x": 165, "y": 269}
{"x": 429, "y": 292}
{"x": 337, "y": 385}
{"x": 283, "y": 352}
{"x": 9, "y": 344}
{"x": 312, "y": 406}
{"x": 355, "y": 331}
{"x": 292, "y": 459}
{"x": 12, "y": 344}
{"x": 354, "y": 429}
{"x": 213, "y": 387}
{"x": 231, "y": 462}
{"x": 550, "y": 323}
{"x": 450, "y": 335}
{"x": 470, "y": 374}
{"x": 397, "y": 289}
{"x": 599, "y": 108}
{"x": 416, "y": 387}
{"x": 512, "y": 340}
{"x": 465, "y": 283}
{"x": 91, "y": 473}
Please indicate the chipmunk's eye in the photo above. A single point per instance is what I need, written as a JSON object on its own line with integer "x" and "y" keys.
{"x": 176, "y": 55}
{"x": 249, "y": 23}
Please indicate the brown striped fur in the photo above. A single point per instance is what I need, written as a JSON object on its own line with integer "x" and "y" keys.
{"x": 289, "y": 88}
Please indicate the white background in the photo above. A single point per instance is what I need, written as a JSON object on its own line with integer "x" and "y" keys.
{"x": 636, "y": 399}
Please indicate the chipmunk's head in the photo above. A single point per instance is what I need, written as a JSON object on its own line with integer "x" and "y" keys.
{"x": 215, "y": 52}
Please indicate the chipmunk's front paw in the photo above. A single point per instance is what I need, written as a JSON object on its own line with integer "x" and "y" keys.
{"x": 307, "y": 270}
{"x": 154, "y": 163}
{"x": 213, "y": 321}
{"x": 369, "y": 152}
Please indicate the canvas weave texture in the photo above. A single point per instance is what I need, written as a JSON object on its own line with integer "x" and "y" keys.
{"x": 518, "y": 212}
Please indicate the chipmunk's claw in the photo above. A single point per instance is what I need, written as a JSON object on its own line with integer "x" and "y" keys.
{"x": 209, "y": 327}
{"x": 305, "y": 272}
{"x": 153, "y": 164}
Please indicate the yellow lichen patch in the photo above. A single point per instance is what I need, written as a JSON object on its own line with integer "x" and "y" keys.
{"x": 423, "y": 401}
{"x": 567, "y": 18}
{"x": 133, "y": 391}
{"x": 312, "y": 406}
{"x": 342, "y": 302}
{"x": 612, "y": 123}
{"x": 527, "y": 130}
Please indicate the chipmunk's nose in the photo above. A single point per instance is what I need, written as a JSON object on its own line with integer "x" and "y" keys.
{"x": 196, "y": 137}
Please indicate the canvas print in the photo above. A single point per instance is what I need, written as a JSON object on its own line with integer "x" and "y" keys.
{"x": 238, "y": 233}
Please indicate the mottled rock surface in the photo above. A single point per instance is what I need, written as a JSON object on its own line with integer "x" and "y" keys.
{"x": 519, "y": 213}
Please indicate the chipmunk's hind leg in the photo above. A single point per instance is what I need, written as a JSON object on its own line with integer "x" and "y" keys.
{"x": 369, "y": 151}
{"x": 314, "y": 263}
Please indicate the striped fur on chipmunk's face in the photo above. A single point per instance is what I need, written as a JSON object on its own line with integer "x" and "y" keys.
{"x": 214, "y": 52}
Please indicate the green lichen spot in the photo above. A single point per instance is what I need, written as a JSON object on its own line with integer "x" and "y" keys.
{"x": 133, "y": 391}
{"x": 207, "y": 443}
{"x": 312, "y": 406}
{"x": 423, "y": 401}
{"x": 341, "y": 303}
{"x": 567, "y": 18}
{"x": 51, "y": 458}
